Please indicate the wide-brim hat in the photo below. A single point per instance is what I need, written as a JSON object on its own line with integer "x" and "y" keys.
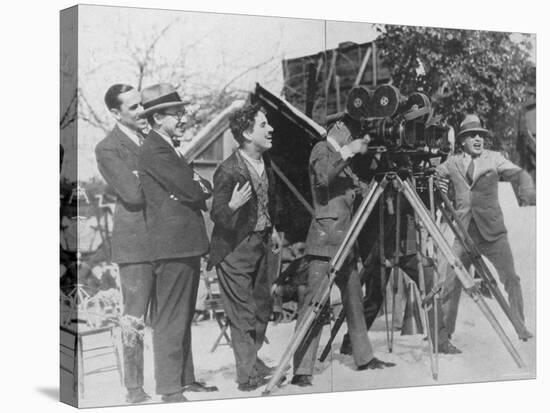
{"x": 471, "y": 123}
{"x": 159, "y": 97}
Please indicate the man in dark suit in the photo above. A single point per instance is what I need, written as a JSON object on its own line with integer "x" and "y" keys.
{"x": 174, "y": 197}
{"x": 333, "y": 187}
{"x": 117, "y": 156}
{"x": 475, "y": 174}
{"x": 244, "y": 214}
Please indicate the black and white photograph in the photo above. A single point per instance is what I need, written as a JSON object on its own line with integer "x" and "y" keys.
{"x": 256, "y": 206}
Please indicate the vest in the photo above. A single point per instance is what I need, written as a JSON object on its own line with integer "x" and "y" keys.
{"x": 261, "y": 185}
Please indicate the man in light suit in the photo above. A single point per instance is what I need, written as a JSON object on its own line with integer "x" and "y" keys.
{"x": 117, "y": 157}
{"x": 175, "y": 198}
{"x": 333, "y": 187}
{"x": 475, "y": 174}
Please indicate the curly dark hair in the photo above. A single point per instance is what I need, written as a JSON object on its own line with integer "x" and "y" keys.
{"x": 243, "y": 120}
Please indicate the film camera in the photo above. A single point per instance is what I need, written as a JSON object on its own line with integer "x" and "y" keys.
{"x": 405, "y": 135}
{"x": 398, "y": 123}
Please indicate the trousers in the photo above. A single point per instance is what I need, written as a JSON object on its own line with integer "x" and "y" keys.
{"x": 500, "y": 255}
{"x": 136, "y": 282}
{"x": 350, "y": 289}
{"x": 245, "y": 290}
{"x": 176, "y": 295}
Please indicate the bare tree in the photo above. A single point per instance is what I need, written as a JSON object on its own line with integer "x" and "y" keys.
{"x": 149, "y": 63}
{"x": 88, "y": 114}
{"x": 70, "y": 114}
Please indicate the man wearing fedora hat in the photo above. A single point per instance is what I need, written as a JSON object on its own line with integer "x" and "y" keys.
{"x": 475, "y": 174}
{"x": 117, "y": 158}
{"x": 174, "y": 197}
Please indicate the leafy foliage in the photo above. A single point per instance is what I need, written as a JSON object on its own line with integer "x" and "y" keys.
{"x": 464, "y": 72}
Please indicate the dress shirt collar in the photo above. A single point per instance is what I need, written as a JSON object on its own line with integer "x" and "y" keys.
{"x": 168, "y": 140}
{"x": 130, "y": 133}
{"x": 258, "y": 165}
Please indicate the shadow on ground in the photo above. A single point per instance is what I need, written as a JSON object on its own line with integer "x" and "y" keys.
{"x": 50, "y": 392}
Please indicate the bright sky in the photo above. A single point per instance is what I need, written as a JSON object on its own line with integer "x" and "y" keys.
{"x": 200, "y": 50}
{"x": 217, "y": 47}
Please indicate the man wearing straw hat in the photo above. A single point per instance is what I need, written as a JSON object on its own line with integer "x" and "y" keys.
{"x": 175, "y": 197}
{"x": 475, "y": 174}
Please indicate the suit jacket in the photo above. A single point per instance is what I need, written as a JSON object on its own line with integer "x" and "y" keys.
{"x": 333, "y": 190}
{"x": 117, "y": 157}
{"x": 174, "y": 201}
{"x": 231, "y": 227}
{"x": 479, "y": 201}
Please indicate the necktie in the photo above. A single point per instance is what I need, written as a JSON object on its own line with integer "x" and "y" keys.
{"x": 176, "y": 142}
{"x": 470, "y": 172}
{"x": 141, "y": 138}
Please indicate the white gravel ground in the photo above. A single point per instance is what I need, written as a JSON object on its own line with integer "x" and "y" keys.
{"x": 484, "y": 358}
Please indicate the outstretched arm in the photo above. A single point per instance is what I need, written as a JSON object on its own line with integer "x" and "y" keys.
{"x": 508, "y": 171}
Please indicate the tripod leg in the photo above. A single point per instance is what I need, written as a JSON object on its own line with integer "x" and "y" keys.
{"x": 323, "y": 292}
{"x": 383, "y": 272}
{"x": 423, "y": 310}
{"x": 396, "y": 278}
{"x": 335, "y": 328}
{"x": 462, "y": 274}
{"x": 393, "y": 310}
{"x": 435, "y": 301}
{"x": 421, "y": 292}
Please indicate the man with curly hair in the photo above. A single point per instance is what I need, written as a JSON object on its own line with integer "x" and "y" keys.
{"x": 243, "y": 211}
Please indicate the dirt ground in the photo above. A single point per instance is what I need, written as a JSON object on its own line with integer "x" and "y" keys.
{"x": 484, "y": 357}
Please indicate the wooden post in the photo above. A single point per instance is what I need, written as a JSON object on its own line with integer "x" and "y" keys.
{"x": 374, "y": 65}
{"x": 337, "y": 87}
{"x": 331, "y": 71}
{"x": 362, "y": 67}
{"x": 311, "y": 89}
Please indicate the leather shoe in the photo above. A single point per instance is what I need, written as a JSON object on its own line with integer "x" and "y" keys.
{"x": 375, "y": 364}
{"x": 525, "y": 335}
{"x": 448, "y": 348}
{"x": 302, "y": 380}
{"x": 173, "y": 398}
{"x": 252, "y": 384}
{"x": 137, "y": 395}
{"x": 197, "y": 386}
